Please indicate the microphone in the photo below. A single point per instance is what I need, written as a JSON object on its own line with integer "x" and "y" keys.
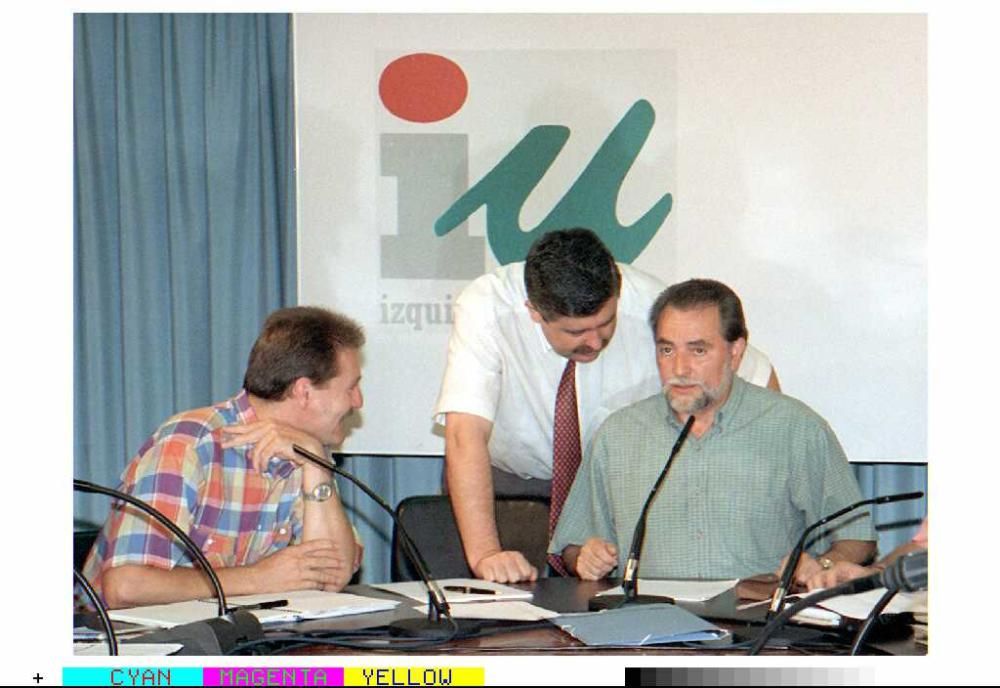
{"x": 778, "y": 598}
{"x": 908, "y": 573}
{"x": 218, "y": 636}
{"x": 431, "y": 627}
{"x": 210, "y": 637}
{"x": 630, "y": 580}
{"x": 95, "y": 599}
{"x": 189, "y": 545}
{"x": 903, "y": 574}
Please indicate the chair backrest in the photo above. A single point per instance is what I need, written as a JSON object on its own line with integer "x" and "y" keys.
{"x": 83, "y": 540}
{"x": 523, "y": 524}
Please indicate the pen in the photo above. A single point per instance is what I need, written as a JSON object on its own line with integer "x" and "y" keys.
{"x": 270, "y": 604}
{"x": 470, "y": 591}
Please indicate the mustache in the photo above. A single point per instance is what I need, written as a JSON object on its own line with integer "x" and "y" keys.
{"x": 682, "y": 382}
{"x": 589, "y": 350}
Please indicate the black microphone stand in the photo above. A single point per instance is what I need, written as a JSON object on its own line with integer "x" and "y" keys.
{"x": 790, "y": 611}
{"x": 630, "y": 581}
{"x": 869, "y": 623}
{"x": 189, "y": 545}
{"x": 437, "y": 607}
{"x": 231, "y": 627}
{"x": 909, "y": 572}
{"x": 778, "y": 598}
{"x": 102, "y": 612}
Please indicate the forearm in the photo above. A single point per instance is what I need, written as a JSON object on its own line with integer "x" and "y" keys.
{"x": 900, "y": 551}
{"x": 326, "y": 520}
{"x": 135, "y": 585}
{"x": 851, "y": 551}
{"x": 470, "y": 485}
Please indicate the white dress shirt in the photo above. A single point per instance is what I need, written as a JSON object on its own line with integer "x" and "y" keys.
{"x": 502, "y": 368}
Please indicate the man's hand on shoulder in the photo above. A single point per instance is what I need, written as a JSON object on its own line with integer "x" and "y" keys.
{"x": 505, "y": 567}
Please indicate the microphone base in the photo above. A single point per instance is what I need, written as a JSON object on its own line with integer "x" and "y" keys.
{"x": 788, "y": 635}
{"x": 600, "y": 602}
{"x": 422, "y": 628}
{"x": 216, "y": 636}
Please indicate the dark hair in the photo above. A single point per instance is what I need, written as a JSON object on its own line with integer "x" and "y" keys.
{"x": 696, "y": 293}
{"x": 569, "y": 272}
{"x": 302, "y": 341}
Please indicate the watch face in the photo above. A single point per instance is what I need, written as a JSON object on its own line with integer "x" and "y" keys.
{"x": 322, "y": 492}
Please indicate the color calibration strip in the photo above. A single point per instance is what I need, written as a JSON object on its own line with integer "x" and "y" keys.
{"x": 274, "y": 676}
{"x": 750, "y": 676}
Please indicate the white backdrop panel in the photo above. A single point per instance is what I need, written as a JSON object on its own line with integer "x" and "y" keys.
{"x": 794, "y": 148}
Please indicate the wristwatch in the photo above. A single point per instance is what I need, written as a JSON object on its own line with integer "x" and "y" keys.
{"x": 826, "y": 563}
{"x": 320, "y": 493}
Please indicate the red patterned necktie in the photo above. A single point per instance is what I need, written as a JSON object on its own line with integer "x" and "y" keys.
{"x": 565, "y": 452}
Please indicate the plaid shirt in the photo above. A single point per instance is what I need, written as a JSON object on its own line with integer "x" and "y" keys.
{"x": 234, "y": 514}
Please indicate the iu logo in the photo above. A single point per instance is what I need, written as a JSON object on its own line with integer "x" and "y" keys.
{"x": 433, "y": 192}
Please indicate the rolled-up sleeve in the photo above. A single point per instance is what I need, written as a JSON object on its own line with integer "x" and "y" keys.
{"x": 472, "y": 377}
{"x": 826, "y": 485}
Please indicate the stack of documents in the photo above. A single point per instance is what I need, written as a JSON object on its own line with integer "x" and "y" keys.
{"x": 298, "y": 605}
{"x": 639, "y": 624}
{"x": 859, "y": 606}
{"x": 833, "y": 611}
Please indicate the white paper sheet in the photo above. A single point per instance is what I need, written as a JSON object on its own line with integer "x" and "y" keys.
{"x": 685, "y": 590}
{"x": 860, "y": 606}
{"x": 126, "y": 649}
{"x": 515, "y": 610}
{"x": 301, "y": 604}
{"x": 415, "y": 590}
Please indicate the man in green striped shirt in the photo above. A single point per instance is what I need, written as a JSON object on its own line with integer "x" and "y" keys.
{"x": 757, "y": 468}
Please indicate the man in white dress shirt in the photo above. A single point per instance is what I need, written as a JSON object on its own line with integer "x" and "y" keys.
{"x": 513, "y": 333}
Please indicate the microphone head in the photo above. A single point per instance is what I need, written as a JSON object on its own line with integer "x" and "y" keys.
{"x": 902, "y": 497}
{"x": 908, "y": 573}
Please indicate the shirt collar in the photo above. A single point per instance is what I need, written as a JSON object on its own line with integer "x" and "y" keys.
{"x": 244, "y": 411}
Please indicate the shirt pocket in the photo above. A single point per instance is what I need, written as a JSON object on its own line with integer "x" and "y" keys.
{"x": 219, "y": 549}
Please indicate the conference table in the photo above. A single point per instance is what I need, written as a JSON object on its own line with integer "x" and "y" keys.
{"x": 568, "y": 595}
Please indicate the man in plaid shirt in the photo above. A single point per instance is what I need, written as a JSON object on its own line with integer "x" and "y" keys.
{"x": 227, "y": 475}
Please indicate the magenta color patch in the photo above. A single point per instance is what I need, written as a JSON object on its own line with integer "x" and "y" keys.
{"x": 273, "y": 676}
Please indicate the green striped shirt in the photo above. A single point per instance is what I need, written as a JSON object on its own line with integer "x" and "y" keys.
{"x": 735, "y": 501}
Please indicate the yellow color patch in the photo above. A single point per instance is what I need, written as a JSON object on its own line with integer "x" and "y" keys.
{"x": 414, "y": 676}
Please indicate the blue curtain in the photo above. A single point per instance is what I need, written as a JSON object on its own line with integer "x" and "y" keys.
{"x": 897, "y": 522}
{"x": 395, "y": 479}
{"x": 185, "y": 218}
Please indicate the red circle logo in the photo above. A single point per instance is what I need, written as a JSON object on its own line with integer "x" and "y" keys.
{"x": 423, "y": 87}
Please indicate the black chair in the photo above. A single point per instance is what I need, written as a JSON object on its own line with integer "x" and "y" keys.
{"x": 84, "y": 536}
{"x": 523, "y": 523}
